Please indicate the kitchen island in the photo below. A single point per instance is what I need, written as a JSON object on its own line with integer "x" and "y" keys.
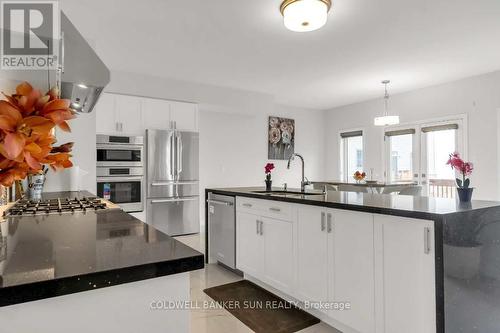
{"x": 402, "y": 263}
{"x": 91, "y": 271}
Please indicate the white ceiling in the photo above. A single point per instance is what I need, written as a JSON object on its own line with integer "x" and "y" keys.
{"x": 243, "y": 44}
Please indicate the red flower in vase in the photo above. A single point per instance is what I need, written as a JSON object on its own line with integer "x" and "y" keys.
{"x": 269, "y": 167}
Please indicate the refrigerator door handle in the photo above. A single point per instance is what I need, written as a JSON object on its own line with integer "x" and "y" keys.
{"x": 173, "y": 183}
{"x": 172, "y": 200}
{"x": 171, "y": 157}
{"x": 179, "y": 154}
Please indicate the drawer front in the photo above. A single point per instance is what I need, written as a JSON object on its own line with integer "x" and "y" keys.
{"x": 268, "y": 208}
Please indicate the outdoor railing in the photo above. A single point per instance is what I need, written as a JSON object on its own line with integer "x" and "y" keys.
{"x": 442, "y": 188}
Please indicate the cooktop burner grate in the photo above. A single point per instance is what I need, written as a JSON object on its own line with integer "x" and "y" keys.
{"x": 50, "y": 206}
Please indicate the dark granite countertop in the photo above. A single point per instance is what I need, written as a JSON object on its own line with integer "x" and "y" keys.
{"x": 467, "y": 249}
{"x": 399, "y": 205}
{"x": 54, "y": 255}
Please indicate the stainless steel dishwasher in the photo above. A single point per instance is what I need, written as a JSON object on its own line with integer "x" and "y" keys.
{"x": 222, "y": 229}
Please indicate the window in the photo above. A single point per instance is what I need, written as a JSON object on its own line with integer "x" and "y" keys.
{"x": 400, "y": 145}
{"x": 351, "y": 154}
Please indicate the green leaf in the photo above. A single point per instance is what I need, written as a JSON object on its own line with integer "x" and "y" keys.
{"x": 467, "y": 183}
{"x": 459, "y": 182}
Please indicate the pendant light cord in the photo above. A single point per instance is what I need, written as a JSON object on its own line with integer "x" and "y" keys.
{"x": 386, "y": 98}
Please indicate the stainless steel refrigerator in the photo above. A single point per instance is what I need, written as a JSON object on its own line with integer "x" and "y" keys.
{"x": 172, "y": 195}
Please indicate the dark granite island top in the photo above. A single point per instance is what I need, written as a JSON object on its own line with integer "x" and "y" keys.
{"x": 467, "y": 248}
{"x": 54, "y": 255}
{"x": 398, "y": 205}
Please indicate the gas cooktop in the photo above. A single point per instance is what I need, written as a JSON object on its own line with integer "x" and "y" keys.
{"x": 54, "y": 206}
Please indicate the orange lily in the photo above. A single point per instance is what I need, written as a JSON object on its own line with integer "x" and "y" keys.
{"x": 26, "y": 121}
{"x": 18, "y": 129}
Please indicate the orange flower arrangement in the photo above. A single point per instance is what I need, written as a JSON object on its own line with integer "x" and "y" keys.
{"x": 26, "y": 140}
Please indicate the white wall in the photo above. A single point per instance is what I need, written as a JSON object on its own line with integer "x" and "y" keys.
{"x": 477, "y": 97}
{"x": 233, "y": 147}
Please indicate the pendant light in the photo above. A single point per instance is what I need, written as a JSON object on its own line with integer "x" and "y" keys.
{"x": 305, "y": 15}
{"x": 386, "y": 120}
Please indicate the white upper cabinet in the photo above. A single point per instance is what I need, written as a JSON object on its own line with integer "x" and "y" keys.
{"x": 128, "y": 113}
{"x": 131, "y": 115}
{"x": 185, "y": 115}
{"x": 105, "y": 114}
{"x": 155, "y": 113}
{"x": 405, "y": 275}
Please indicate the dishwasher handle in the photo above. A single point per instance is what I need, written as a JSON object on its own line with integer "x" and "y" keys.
{"x": 219, "y": 202}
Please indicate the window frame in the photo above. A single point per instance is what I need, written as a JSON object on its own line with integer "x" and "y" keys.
{"x": 342, "y": 143}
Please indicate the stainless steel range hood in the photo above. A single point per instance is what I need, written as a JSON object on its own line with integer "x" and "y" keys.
{"x": 84, "y": 74}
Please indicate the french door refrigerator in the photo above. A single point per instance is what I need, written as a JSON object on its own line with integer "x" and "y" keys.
{"x": 172, "y": 195}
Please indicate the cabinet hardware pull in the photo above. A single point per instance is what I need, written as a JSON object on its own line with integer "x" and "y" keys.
{"x": 261, "y": 228}
{"x": 257, "y": 227}
{"x": 274, "y": 209}
{"x": 323, "y": 223}
{"x": 329, "y": 222}
{"x": 247, "y": 205}
{"x": 427, "y": 240}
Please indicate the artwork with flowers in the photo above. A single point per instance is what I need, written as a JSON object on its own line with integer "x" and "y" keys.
{"x": 281, "y": 143}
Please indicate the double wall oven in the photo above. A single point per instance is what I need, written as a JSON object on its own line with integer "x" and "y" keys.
{"x": 120, "y": 170}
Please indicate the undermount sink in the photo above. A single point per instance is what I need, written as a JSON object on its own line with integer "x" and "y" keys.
{"x": 287, "y": 193}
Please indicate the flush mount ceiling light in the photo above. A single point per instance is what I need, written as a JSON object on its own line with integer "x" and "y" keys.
{"x": 386, "y": 120}
{"x": 305, "y": 15}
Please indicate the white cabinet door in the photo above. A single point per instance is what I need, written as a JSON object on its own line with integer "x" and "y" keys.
{"x": 312, "y": 262}
{"x": 249, "y": 244}
{"x": 279, "y": 253}
{"x": 185, "y": 115}
{"x": 155, "y": 113}
{"x": 128, "y": 110}
{"x": 351, "y": 265}
{"x": 405, "y": 284}
{"x": 105, "y": 114}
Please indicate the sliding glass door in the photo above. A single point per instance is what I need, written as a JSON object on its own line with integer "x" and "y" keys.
{"x": 419, "y": 153}
{"x": 438, "y": 141}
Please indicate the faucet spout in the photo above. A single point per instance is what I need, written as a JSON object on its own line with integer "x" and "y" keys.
{"x": 303, "y": 182}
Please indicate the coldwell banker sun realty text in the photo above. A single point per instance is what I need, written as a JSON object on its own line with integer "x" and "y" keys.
{"x": 30, "y": 35}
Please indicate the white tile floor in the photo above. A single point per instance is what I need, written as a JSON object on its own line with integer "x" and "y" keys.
{"x": 220, "y": 320}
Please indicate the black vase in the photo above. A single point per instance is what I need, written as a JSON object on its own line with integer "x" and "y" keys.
{"x": 269, "y": 185}
{"x": 465, "y": 194}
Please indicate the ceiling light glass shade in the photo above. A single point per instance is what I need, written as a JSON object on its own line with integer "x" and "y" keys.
{"x": 386, "y": 121}
{"x": 305, "y": 15}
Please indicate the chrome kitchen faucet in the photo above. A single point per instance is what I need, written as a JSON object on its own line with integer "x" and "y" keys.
{"x": 304, "y": 182}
